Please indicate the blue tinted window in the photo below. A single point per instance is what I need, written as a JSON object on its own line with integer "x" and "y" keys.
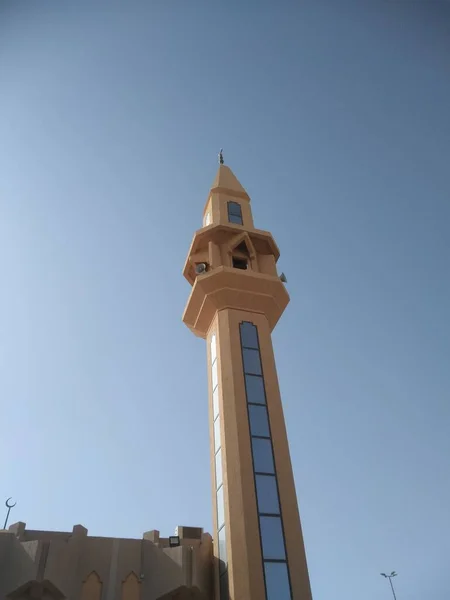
{"x": 277, "y": 581}
{"x": 234, "y": 208}
{"x": 234, "y": 213}
{"x": 216, "y": 434}
{"x": 252, "y": 363}
{"x": 220, "y": 508}
{"x": 235, "y": 219}
{"x": 222, "y": 549}
{"x": 267, "y": 494}
{"x": 249, "y": 336}
{"x": 259, "y": 423}
{"x": 262, "y": 456}
{"x": 255, "y": 389}
{"x": 219, "y": 478}
{"x": 272, "y": 538}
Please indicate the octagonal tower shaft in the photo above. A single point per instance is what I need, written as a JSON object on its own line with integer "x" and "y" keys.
{"x": 235, "y": 302}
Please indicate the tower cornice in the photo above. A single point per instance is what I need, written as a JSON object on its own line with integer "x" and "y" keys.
{"x": 262, "y": 241}
{"x": 226, "y": 287}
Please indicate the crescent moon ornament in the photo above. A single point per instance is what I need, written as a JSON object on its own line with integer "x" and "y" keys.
{"x": 9, "y": 506}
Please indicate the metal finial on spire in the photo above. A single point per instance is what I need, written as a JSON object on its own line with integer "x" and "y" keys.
{"x": 221, "y": 156}
{"x": 9, "y": 507}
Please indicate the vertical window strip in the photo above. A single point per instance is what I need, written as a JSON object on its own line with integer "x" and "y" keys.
{"x": 273, "y": 545}
{"x": 213, "y": 346}
{"x": 217, "y": 434}
{"x": 214, "y": 375}
{"x": 221, "y": 530}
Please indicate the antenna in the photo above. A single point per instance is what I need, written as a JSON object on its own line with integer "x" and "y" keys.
{"x": 221, "y": 156}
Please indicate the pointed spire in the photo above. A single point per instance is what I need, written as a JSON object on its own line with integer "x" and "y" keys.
{"x": 226, "y": 182}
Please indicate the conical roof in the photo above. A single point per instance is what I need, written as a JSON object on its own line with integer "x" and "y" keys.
{"x": 226, "y": 181}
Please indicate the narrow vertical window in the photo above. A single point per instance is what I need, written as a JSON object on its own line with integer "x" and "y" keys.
{"x": 235, "y": 213}
{"x": 221, "y": 532}
{"x": 216, "y": 403}
{"x": 277, "y": 581}
{"x": 276, "y": 572}
{"x": 217, "y": 433}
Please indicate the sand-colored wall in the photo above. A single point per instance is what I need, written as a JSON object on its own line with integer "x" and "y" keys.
{"x": 79, "y": 565}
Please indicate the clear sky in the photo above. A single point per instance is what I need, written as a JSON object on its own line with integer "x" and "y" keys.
{"x": 334, "y": 115}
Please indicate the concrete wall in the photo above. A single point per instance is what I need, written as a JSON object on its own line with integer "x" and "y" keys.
{"x": 67, "y": 560}
{"x": 18, "y": 562}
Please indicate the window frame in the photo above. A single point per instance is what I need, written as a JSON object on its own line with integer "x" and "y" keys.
{"x": 234, "y": 212}
{"x": 249, "y": 339}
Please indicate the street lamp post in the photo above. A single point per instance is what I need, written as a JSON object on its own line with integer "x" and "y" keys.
{"x": 393, "y": 574}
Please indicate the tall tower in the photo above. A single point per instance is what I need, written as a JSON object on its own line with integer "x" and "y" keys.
{"x": 236, "y": 300}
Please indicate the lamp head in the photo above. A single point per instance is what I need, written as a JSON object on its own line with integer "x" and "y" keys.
{"x": 174, "y": 541}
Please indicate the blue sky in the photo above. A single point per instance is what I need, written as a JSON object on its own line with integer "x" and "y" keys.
{"x": 334, "y": 116}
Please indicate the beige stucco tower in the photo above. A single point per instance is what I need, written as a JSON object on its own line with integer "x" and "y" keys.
{"x": 236, "y": 300}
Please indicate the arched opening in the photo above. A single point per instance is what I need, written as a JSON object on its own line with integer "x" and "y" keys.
{"x": 92, "y": 587}
{"x": 242, "y": 252}
{"x": 131, "y": 587}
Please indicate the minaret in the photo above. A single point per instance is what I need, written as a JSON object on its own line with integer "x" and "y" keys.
{"x": 236, "y": 300}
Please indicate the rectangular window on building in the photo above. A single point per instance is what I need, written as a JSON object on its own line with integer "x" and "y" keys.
{"x": 215, "y": 402}
{"x": 215, "y": 377}
{"x": 252, "y": 362}
{"x": 262, "y": 456}
{"x": 235, "y": 213}
{"x": 219, "y": 476}
{"x": 249, "y": 336}
{"x": 259, "y": 423}
{"x": 213, "y": 348}
{"x": 272, "y": 538}
{"x": 216, "y": 434}
{"x": 254, "y": 386}
{"x": 277, "y": 581}
{"x": 222, "y": 549}
{"x": 220, "y": 508}
{"x": 267, "y": 494}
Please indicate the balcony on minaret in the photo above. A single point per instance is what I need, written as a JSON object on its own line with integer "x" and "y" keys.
{"x": 230, "y": 263}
